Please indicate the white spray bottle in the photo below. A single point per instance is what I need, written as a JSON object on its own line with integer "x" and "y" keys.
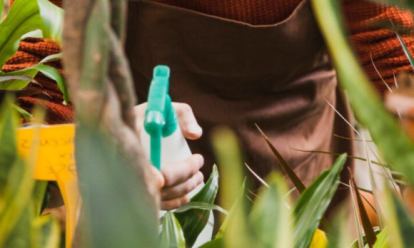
{"x": 161, "y": 137}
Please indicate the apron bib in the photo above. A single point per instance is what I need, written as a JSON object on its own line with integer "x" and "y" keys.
{"x": 235, "y": 74}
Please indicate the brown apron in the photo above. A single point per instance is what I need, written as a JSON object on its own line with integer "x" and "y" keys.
{"x": 231, "y": 73}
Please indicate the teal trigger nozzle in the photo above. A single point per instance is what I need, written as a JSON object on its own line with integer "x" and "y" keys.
{"x": 160, "y": 118}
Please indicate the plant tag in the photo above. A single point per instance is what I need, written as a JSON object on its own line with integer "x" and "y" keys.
{"x": 55, "y": 161}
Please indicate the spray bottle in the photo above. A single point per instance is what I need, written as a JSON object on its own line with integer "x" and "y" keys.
{"x": 162, "y": 139}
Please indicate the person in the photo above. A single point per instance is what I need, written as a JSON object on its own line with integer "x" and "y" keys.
{"x": 241, "y": 63}
{"x": 264, "y": 63}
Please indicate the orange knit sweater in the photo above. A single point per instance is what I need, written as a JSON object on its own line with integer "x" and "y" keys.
{"x": 368, "y": 41}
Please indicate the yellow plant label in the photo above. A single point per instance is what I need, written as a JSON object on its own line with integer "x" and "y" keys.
{"x": 53, "y": 149}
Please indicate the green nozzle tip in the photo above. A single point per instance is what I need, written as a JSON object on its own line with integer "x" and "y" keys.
{"x": 162, "y": 71}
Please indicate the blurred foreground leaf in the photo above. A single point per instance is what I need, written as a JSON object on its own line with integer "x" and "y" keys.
{"x": 236, "y": 229}
{"x": 47, "y": 232}
{"x": 117, "y": 208}
{"x": 382, "y": 239}
{"x": 400, "y": 223}
{"x": 394, "y": 145}
{"x": 19, "y": 203}
{"x": 271, "y": 218}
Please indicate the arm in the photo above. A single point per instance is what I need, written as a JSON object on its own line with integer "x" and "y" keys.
{"x": 30, "y": 52}
{"x": 387, "y": 53}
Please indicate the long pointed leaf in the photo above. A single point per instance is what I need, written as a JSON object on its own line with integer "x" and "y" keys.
{"x": 312, "y": 204}
{"x": 285, "y": 166}
{"x": 394, "y": 145}
{"x": 51, "y": 58}
{"x": 10, "y": 78}
{"x": 172, "y": 234}
{"x": 23, "y": 112}
{"x": 16, "y": 184}
{"x": 194, "y": 221}
{"x": 366, "y": 224}
{"x": 17, "y": 84}
{"x": 53, "y": 74}
{"x": 47, "y": 70}
{"x": 406, "y": 51}
{"x": 201, "y": 206}
{"x": 359, "y": 242}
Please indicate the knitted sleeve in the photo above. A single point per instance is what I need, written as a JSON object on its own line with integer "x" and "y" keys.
{"x": 375, "y": 45}
{"x": 30, "y": 52}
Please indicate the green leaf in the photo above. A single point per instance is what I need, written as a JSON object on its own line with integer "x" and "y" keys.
{"x": 20, "y": 235}
{"x": 16, "y": 184}
{"x": 312, "y": 204}
{"x": 400, "y": 222}
{"x": 285, "y": 166}
{"x": 406, "y": 51}
{"x": 47, "y": 70}
{"x": 10, "y": 78}
{"x": 1, "y": 9}
{"x": 18, "y": 84}
{"x": 50, "y": 58}
{"x": 236, "y": 229}
{"x": 396, "y": 148}
{"x": 240, "y": 200}
{"x": 117, "y": 210}
{"x": 52, "y": 20}
{"x": 366, "y": 224}
{"x": 54, "y": 74}
{"x": 200, "y": 205}
{"x": 271, "y": 217}
{"x": 215, "y": 243}
{"x": 22, "y": 18}
{"x": 46, "y": 232}
{"x": 23, "y": 112}
{"x": 8, "y": 153}
{"x": 172, "y": 233}
{"x": 359, "y": 242}
{"x": 33, "y": 34}
{"x": 382, "y": 239}
{"x": 338, "y": 233}
{"x": 194, "y": 221}
{"x": 39, "y": 193}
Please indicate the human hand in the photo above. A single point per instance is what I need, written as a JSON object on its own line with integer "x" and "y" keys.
{"x": 177, "y": 179}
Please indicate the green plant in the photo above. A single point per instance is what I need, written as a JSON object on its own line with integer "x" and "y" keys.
{"x": 23, "y": 19}
{"x": 119, "y": 208}
{"x": 21, "y": 196}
